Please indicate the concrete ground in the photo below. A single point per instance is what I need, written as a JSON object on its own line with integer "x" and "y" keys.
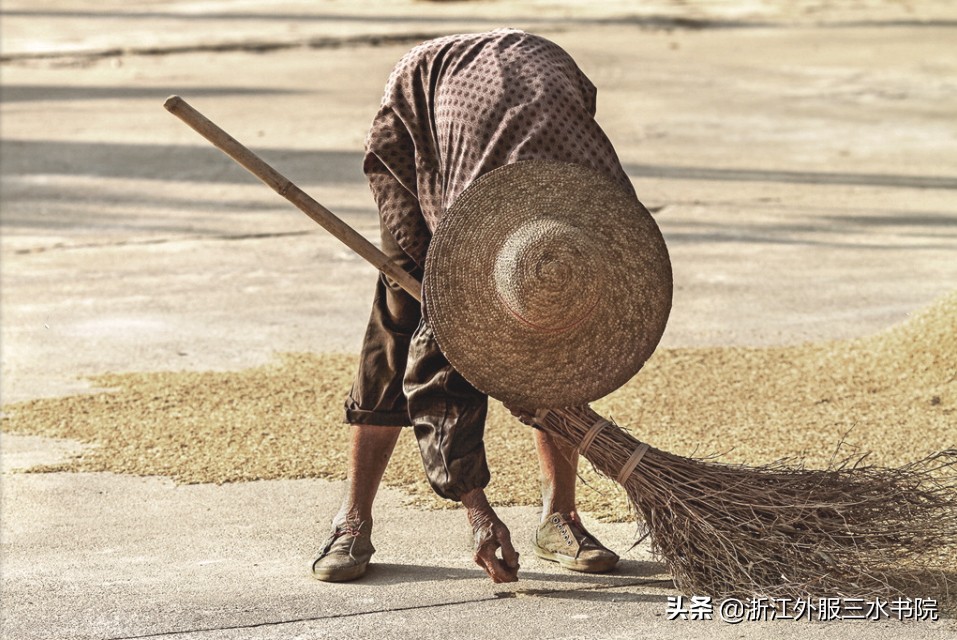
{"x": 799, "y": 159}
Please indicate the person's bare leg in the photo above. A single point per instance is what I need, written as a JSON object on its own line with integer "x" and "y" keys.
{"x": 346, "y": 553}
{"x": 559, "y": 474}
{"x": 369, "y": 454}
{"x": 559, "y": 467}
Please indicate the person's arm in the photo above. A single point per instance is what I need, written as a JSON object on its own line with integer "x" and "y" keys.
{"x": 449, "y": 419}
{"x": 389, "y": 166}
{"x": 448, "y": 416}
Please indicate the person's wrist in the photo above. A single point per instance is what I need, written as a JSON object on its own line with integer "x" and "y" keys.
{"x": 475, "y": 499}
{"x": 477, "y": 506}
{"x": 525, "y": 417}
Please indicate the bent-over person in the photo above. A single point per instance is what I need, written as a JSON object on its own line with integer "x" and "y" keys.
{"x": 455, "y": 109}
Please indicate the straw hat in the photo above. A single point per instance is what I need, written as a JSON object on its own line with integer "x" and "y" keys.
{"x": 547, "y": 285}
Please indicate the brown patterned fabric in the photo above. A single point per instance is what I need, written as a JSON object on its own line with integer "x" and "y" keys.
{"x": 454, "y": 109}
{"x": 457, "y": 107}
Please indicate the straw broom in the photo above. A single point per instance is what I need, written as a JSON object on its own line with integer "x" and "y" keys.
{"x": 727, "y": 530}
{"x": 779, "y": 530}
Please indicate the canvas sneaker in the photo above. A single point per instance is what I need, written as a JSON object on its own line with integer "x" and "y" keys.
{"x": 565, "y": 541}
{"x": 345, "y": 554}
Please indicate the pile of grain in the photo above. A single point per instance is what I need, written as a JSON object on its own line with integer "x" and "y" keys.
{"x": 893, "y": 394}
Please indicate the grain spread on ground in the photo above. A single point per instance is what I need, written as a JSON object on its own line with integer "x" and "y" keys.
{"x": 893, "y": 394}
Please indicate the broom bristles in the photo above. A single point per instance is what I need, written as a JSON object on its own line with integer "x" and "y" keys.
{"x": 781, "y": 530}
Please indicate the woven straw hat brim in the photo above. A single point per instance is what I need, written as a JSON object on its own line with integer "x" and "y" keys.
{"x": 547, "y": 285}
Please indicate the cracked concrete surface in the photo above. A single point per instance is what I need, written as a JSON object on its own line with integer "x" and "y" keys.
{"x": 108, "y": 557}
{"x": 798, "y": 156}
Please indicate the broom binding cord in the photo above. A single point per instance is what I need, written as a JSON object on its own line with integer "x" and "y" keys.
{"x": 626, "y": 469}
{"x": 633, "y": 461}
{"x": 591, "y": 434}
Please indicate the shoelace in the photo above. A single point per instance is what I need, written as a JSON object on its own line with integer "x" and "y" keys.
{"x": 340, "y": 531}
{"x": 584, "y": 539}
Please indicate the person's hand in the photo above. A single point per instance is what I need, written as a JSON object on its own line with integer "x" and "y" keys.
{"x": 525, "y": 417}
{"x": 491, "y": 534}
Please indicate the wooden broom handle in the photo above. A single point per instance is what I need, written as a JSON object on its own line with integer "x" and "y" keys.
{"x": 284, "y": 187}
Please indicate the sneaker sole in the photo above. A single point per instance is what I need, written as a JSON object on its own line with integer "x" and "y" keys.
{"x": 576, "y": 564}
{"x": 340, "y": 575}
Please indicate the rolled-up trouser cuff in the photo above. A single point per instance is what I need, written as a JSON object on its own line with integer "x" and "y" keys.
{"x": 355, "y": 415}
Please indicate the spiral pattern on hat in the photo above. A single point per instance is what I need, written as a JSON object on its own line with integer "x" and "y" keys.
{"x": 539, "y": 265}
